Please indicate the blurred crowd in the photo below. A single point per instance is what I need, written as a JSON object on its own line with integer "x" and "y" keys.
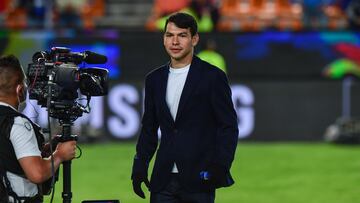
{"x": 212, "y": 15}
{"x": 20, "y": 14}
{"x": 257, "y": 15}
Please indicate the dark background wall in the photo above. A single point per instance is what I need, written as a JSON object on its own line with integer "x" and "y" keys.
{"x": 279, "y": 89}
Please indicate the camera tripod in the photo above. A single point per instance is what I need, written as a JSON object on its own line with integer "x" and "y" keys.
{"x": 64, "y": 137}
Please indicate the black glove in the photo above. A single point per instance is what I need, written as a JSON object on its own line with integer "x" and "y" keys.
{"x": 137, "y": 179}
{"x": 139, "y": 175}
{"x": 218, "y": 175}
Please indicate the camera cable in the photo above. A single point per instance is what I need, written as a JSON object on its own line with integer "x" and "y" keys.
{"x": 50, "y": 141}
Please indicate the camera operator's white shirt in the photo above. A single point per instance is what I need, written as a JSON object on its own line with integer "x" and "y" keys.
{"x": 23, "y": 139}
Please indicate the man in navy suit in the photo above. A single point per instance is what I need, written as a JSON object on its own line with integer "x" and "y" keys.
{"x": 190, "y": 100}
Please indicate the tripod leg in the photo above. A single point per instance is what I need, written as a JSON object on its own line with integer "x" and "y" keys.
{"x": 67, "y": 195}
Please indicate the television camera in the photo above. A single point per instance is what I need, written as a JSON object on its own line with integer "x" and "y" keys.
{"x": 54, "y": 80}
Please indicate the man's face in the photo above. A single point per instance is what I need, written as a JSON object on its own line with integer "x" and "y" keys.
{"x": 178, "y": 42}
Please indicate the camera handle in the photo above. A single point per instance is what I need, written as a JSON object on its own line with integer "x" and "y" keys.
{"x": 66, "y": 136}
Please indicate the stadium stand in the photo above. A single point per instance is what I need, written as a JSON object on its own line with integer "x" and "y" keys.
{"x": 233, "y": 15}
{"x": 15, "y": 16}
{"x": 130, "y": 14}
{"x": 95, "y": 10}
{"x": 256, "y": 15}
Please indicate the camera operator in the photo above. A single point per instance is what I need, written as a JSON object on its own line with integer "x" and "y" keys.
{"x": 22, "y": 168}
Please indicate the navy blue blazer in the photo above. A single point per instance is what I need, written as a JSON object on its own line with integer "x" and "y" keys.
{"x": 204, "y": 132}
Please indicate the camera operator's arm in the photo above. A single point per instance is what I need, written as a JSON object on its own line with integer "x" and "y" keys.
{"x": 38, "y": 169}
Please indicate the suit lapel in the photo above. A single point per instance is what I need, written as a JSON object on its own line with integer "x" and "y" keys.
{"x": 162, "y": 88}
{"x": 190, "y": 84}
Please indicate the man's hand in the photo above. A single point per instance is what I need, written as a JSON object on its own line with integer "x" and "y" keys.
{"x": 66, "y": 150}
{"x": 46, "y": 152}
{"x": 137, "y": 179}
{"x": 217, "y": 175}
{"x": 38, "y": 169}
{"x": 139, "y": 175}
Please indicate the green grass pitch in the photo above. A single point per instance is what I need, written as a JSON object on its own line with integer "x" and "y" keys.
{"x": 264, "y": 173}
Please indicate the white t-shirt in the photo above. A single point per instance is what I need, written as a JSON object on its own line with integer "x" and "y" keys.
{"x": 23, "y": 139}
{"x": 175, "y": 86}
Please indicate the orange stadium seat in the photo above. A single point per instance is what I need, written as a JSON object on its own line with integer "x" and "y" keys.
{"x": 161, "y": 8}
{"x": 289, "y": 16}
{"x": 16, "y": 18}
{"x": 4, "y": 4}
{"x": 255, "y": 15}
{"x": 239, "y": 15}
{"x": 335, "y": 16}
{"x": 281, "y": 14}
{"x": 91, "y": 11}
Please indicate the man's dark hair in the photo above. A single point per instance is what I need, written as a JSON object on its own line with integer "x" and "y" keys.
{"x": 11, "y": 73}
{"x": 184, "y": 21}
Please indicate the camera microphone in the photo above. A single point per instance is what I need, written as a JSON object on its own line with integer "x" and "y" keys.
{"x": 63, "y": 54}
{"x": 94, "y": 58}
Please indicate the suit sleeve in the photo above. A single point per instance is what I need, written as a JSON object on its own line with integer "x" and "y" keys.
{"x": 226, "y": 118}
{"x": 148, "y": 138}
